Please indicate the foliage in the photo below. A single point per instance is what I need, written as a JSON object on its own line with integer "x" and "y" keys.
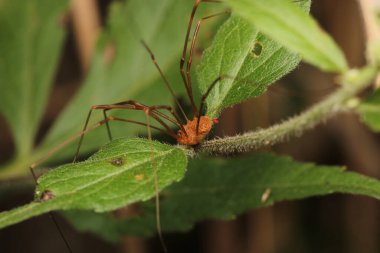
{"x": 251, "y": 73}
{"x": 121, "y": 69}
{"x": 29, "y": 56}
{"x": 225, "y": 188}
{"x": 254, "y": 73}
{"x": 261, "y": 42}
{"x": 294, "y": 29}
{"x": 121, "y": 173}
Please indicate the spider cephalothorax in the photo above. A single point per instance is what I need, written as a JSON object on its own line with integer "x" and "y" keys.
{"x": 194, "y": 136}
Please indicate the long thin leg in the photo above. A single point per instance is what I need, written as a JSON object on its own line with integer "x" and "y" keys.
{"x": 79, "y": 135}
{"x": 132, "y": 105}
{"x": 164, "y": 78}
{"x": 188, "y": 86}
{"x": 154, "y": 116}
{"x": 154, "y": 110}
{"x": 207, "y": 93}
{"x": 100, "y": 123}
{"x": 155, "y": 176}
{"x": 110, "y": 118}
{"x": 139, "y": 106}
{"x": 204, "y": 97}
{"x": 107, "y": 125}
{"x": 95, "y": 107}
{"x": 52, "y": 217}
{"x": 182, "y": 61}
{"x": 194, "y": 39}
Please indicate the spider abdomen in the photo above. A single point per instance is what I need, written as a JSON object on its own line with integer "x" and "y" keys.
{"x": 192, "y": 136}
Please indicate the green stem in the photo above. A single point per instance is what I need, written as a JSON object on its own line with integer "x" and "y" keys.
{"x": 15, "y": 168}
{"x": 354, "y": 82}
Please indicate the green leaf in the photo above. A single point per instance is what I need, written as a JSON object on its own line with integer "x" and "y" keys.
{"x": 32, "y": 34}
{"x": 121, "y": 69}
{"x": 119, "y": 174}
{"x": 105, "y": 225}
{"x": 369, "y": 111}
{"x": 293, "y": 28}
{"x": 222, "y": 189}
{"x": 239, "y": 50}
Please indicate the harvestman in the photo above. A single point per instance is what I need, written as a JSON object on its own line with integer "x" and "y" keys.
{"x": 191, "y": 133}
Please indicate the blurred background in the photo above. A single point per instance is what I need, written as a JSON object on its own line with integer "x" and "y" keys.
{"x": 336, "y": 223}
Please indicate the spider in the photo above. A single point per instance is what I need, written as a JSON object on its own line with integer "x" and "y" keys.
{"x": 191, "y": 133}
{"x": 195, "y": 129}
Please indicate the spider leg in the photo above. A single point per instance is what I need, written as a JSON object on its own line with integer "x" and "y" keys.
{"x": 130, "y": 105}
{"x": 193, "y": 41}
{"x": 184, "y": 53}
{"x": 205, "y": 95}
{"x": 165, "y": 80}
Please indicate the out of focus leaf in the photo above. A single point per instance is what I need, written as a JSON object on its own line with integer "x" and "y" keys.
{"x": 104, "y": 225}
{"x": 369, "y": 110}
{"x": 121, "y": 69}
{"x": 31, "y": 34}
{"x": 293, "y": 28}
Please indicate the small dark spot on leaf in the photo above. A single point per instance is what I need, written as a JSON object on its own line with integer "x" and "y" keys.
{"x": 257, "y": 49}
{"x": 47, "y": 195}
{"x": 117, "y": 161}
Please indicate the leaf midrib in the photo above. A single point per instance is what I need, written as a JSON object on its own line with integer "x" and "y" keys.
{"x": 235, "y": 71}
{"x": 116, "y": 173}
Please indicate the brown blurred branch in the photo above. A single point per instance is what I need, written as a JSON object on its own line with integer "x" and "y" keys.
{"x": 86, "y": 22}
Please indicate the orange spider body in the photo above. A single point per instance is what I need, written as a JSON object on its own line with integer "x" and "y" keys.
{"x": 192, "y": 136}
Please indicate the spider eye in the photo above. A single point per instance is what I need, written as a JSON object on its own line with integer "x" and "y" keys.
{"x": 216, "y": 121}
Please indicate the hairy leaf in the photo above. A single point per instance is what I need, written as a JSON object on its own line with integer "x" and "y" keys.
{"x": 250, "y": 60}
{"x": 121, "y": 173}
{"x": 293, "y": 28}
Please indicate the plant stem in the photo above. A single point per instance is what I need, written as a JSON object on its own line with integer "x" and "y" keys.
{"x": 354, "y": 82}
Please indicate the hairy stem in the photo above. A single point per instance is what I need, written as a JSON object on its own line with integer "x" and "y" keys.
{"x": 354, "y": 81}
